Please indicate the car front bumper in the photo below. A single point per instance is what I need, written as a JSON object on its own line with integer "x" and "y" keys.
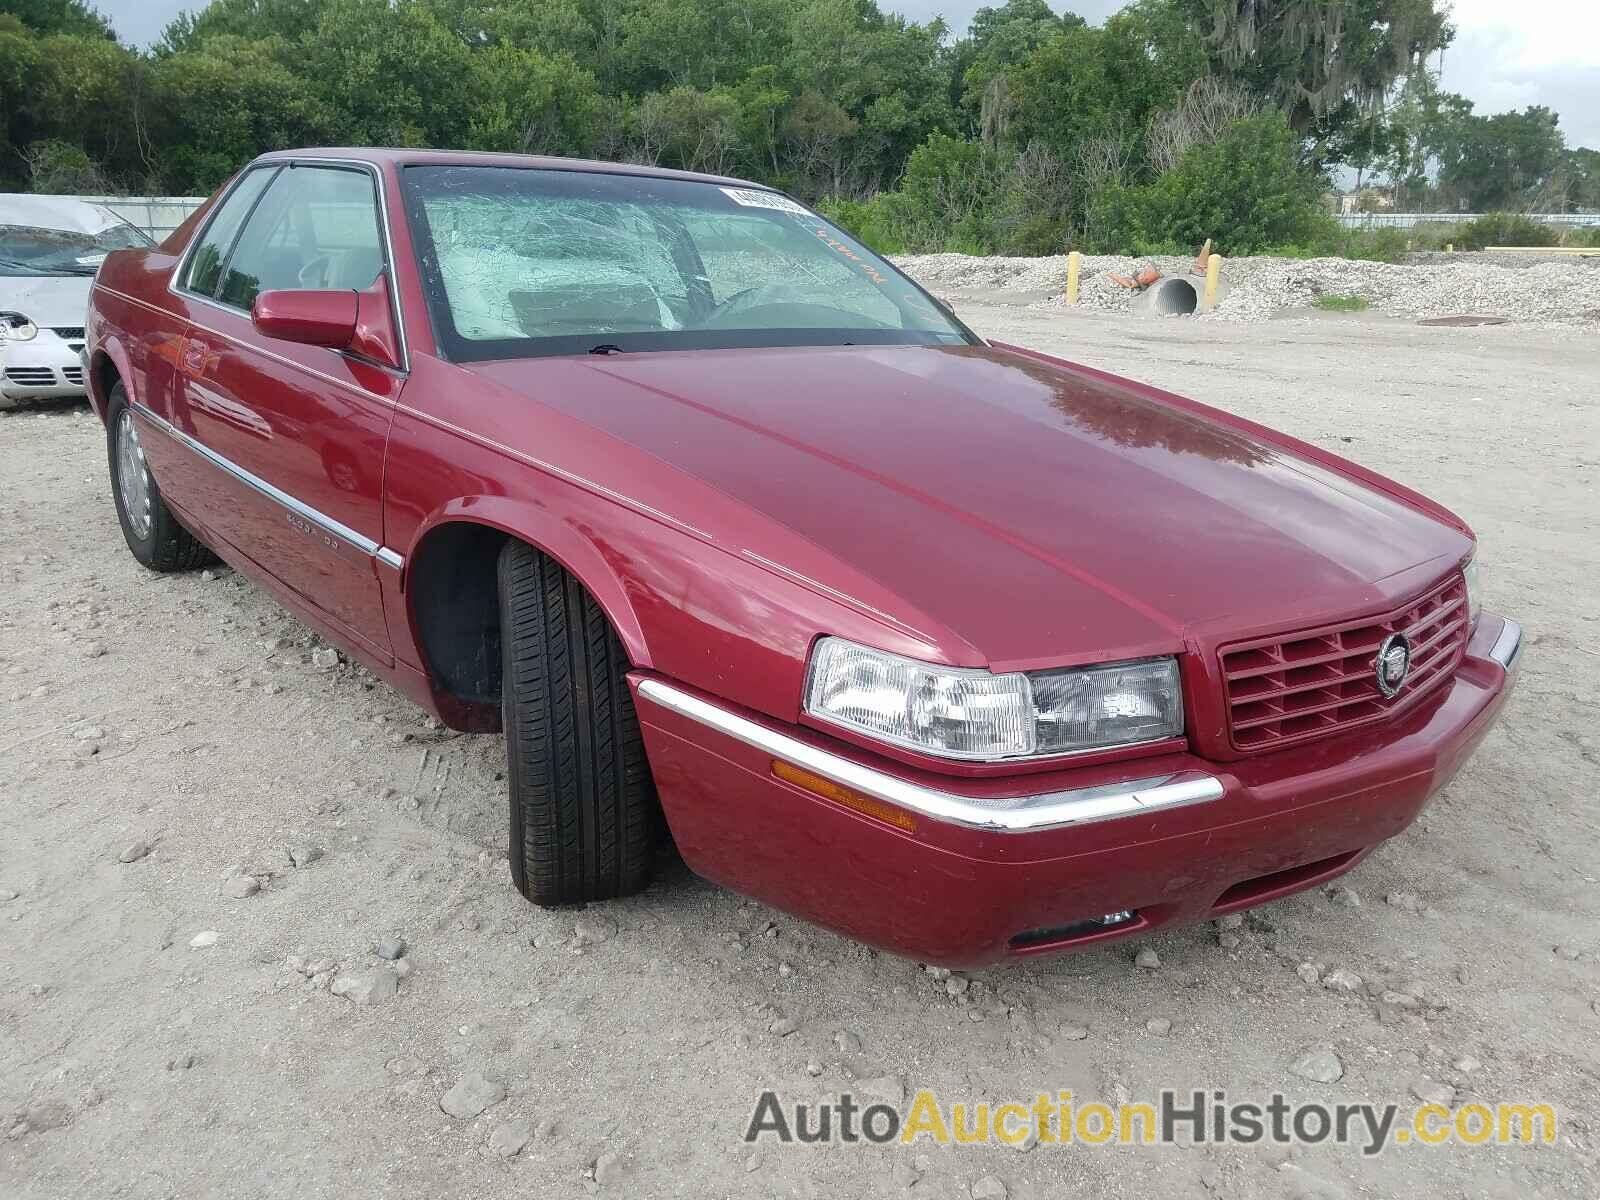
{"x": 994, "y": 869}
{"x": 41, "y": 368}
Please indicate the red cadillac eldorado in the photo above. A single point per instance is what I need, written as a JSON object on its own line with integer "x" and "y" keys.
{"x": 740, "y": 536}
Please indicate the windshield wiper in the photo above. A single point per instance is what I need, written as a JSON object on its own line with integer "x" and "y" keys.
{"x": 607, "y": 348}
{"x": 12, "y": 264}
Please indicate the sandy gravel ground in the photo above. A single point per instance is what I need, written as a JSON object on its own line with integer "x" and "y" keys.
{"x": 165, "y": 1034}
{"x": 1560, "y": 292}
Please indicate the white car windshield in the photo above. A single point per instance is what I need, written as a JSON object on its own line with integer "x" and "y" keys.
{"x": 524, "y": 261}
{"x": 32, "y": 250}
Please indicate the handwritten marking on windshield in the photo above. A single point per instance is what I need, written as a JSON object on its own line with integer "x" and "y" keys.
{"x": 834, "y": 244}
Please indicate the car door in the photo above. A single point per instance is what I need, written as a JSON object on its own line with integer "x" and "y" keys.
{"x": 296, "y": 433}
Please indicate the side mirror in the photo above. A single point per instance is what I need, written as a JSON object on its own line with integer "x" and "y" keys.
{"x": 311, "y": 318}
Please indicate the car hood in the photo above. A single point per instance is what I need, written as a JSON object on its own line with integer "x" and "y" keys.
{"x": 55, "y": 302}
{"x": 1042, "y": 513}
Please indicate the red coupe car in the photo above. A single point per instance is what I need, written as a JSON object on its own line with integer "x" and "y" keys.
{"x": 962, "y": 650}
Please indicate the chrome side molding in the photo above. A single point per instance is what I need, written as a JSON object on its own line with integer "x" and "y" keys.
{"x": 296, "y": 508}
{"x": 1508, "y": 646}
{"x": 1009, "y": 814}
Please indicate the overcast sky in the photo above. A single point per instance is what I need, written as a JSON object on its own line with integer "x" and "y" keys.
{"x": 1505, "y": 55}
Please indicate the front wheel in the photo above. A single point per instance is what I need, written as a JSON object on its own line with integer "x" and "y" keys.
{"x": 155, "y": 536}
{"x": 584, "y": 815}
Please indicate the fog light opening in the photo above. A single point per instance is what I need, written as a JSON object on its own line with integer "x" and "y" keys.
{"x": 1088, "y": 927}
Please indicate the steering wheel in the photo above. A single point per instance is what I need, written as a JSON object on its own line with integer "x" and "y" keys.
{"x": 315, "y": 274}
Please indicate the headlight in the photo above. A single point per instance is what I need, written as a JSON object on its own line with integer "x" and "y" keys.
{"x": 1474, "y": 595}
{"x": 14, "y": 327}
{"x": 976, "y": 715}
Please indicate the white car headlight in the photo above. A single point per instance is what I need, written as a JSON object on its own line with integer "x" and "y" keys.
{"x": 976, "y": 715}
{"x": 14, "y": 327}
{"x": 1474, "y": 595}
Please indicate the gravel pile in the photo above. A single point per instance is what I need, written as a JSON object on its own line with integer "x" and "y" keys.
{"x": 1545, "y": 293}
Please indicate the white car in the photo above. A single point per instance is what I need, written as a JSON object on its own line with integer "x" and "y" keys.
{"x": 50, "y": 248}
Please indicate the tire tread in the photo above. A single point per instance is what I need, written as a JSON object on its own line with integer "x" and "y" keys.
{"x": 583, "y": 808}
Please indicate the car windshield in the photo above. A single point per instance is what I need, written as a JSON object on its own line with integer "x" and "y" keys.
{"x": 522, "y": 262}
{"x": 28, "y": 250}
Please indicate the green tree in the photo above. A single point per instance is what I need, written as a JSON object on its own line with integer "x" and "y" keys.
{"x": 948, "y": 195}
{"x": 763, "y": 97}
{"x": 59, "y": 16}
{"x": 391, "y": 72}
{"x": 526, "y": 103}
{"x": 552, "y": 27}
{"x": 998, "y": 39}
{"x": 19, "y": 60}
{"x": 700, "y": 43}
{"x": 1328, "y": 65}
{"x": 1581, "y": 177}
{"x": 220, "y": 104}
{"x": 82, "y": 92}
{"x": 256, "y": 20}
{"x": 690, "y": 129}
{"x": 1503, "y": 161}
{"x": 1249, "y": 190}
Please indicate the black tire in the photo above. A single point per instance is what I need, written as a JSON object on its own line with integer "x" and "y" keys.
{"x": 165, "y": 545}
{"x": 584, "y": 814}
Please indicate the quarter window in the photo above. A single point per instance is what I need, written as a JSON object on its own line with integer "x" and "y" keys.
{"x": 205, "y": 267}
{"x": 316, "y": 227}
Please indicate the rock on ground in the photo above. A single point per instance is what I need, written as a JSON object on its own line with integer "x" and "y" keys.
{"x": 1319, "y": 1064}
{"x": 368, "y": 988}
{"x": 472, "y": 1095}
{"x": 508, "y": 1140}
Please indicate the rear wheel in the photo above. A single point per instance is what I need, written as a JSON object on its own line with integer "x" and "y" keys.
{"x": 155, "y": 536}
{"x": 584, "y": 815}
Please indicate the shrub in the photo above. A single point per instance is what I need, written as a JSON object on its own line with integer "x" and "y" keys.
{"x": 60, "y": 168}
{"x": 1341, "y": 303}
{"x": 1505, "y": 229}
{"x": 948, "y": 195}
{"x": 1248, "y": 191}
{"x": 1332, "y": 240}
{"x": 865, "y": 220}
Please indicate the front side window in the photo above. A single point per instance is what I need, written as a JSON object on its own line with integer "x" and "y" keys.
{"x": 525, "y": 261}
{"x": 316, "y": 227}
{"x": 205, "y": 265}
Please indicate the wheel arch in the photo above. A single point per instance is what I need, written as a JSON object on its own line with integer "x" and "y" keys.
{"x": 108, "y": 366}
{"x": 450, "y": 582}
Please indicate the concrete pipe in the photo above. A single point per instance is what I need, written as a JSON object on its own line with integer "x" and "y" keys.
{"x": 1170, "y": 297}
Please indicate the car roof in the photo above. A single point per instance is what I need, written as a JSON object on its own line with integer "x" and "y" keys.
{"x": 56, "y": 212}
{"x": 401, "y": 157}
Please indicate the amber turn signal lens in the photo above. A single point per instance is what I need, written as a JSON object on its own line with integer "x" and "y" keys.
{"x": 839, "y": 794}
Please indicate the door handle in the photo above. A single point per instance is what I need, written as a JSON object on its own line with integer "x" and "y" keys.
{"x": 196, "y": 357}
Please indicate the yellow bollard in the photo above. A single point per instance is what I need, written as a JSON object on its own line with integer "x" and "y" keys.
{"x": 1074, "y": 265}
{"x": 1213, "y": 278}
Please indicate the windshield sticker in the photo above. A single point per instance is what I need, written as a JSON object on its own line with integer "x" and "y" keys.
{"x": 751, "y": 198}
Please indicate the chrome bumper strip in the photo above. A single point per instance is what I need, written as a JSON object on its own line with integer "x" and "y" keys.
{"x": 1009, "y": 814}
{"x": 1508, "y": 646}
{"x": 320, "y": 519}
